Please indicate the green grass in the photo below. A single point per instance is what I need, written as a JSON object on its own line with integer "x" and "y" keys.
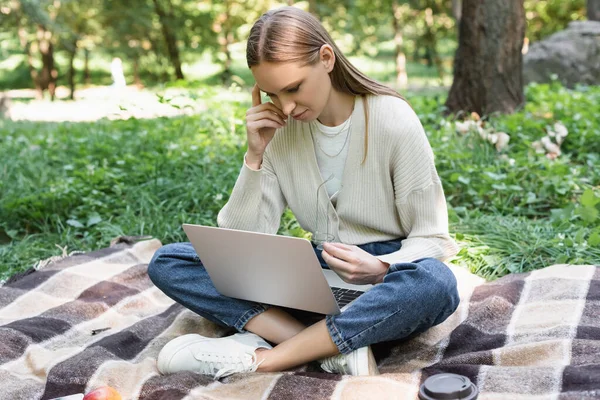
{"x": 496, "y": 245}
{"x": 81, "y": 184}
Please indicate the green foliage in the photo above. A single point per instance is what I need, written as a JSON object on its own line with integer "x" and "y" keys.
{"x": 544, "y": 17}
{"x": 519, "y": 181}
{"x": 133, "y": 31}
{"x": 493, "y": 245}
{"x": 81, "y": 184}
{"x": 136, "y": 32}
{"x": 518, "y": 210}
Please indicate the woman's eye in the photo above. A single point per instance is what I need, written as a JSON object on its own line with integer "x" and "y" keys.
{"x": 292, "y": 90}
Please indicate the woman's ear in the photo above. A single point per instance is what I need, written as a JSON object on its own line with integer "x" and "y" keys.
{"x": 327, "y": 57}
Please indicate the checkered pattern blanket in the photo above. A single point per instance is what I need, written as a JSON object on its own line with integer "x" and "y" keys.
{"x": 96, "y": 319}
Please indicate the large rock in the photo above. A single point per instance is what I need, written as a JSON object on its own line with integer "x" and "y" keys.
{"x": 573, "y": 55}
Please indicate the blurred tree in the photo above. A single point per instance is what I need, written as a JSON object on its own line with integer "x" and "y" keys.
{"x": 430, "y": 38}
{"x": 544, "y": 17}
{"x": 34, "y": 23}
{"x": 164, "y": 10}
{"x": 130, "y": 33}
{"x": 224, "y": 25}
{"x": 488, "y": 62}
{"x": 399, "y": 18}
{"x": 369, "y": 23}
{"x": 156, "y": 37}
{"x": 433, "y": 20}
{"x": 593, "y": 10}
{"x": 77, "y": 23}
{"x": 312, "y": 7}
{"x": 416, "y": 24}
{"x": 456, "y": 9}
{"x": 232, "y": 21}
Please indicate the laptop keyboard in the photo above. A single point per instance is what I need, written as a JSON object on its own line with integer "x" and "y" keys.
{"x": 344, "y": 296}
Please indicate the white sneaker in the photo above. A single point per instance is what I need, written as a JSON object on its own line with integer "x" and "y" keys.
{"x": 218, "y": 357}
{"x": 359, "y": 362}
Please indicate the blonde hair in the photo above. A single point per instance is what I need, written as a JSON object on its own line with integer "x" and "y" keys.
{"x": 291, "y": 35}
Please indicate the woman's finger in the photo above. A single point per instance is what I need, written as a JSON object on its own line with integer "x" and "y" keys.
{"x": 340, "y": 267}
{"x": 263, "y": 123}
{"x": 256, "y": 96}
{"x": 332, "y": 261}
{"x": 266, "y": 106}
{"x": 341, "y": 245}
{"x": 265, "y": 115}
{"x": 338, "y": 250}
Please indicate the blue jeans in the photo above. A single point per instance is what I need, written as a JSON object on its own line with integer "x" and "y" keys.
{"x": 412, "y": 298}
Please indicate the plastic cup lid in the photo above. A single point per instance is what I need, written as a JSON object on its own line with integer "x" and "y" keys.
{"x": 448, "y": 387}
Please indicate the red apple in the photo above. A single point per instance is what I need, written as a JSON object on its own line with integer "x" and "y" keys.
{"x": 103, "y": 393}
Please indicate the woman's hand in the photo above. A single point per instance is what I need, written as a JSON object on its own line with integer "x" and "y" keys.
{"x": 353, "y": 264}
{"x": 261, "y": 122}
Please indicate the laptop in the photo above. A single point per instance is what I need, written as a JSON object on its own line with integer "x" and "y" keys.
{"x": 271, "y": 269}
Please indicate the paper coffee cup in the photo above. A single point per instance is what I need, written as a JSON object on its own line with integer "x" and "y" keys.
{"x": 448, "y": 387}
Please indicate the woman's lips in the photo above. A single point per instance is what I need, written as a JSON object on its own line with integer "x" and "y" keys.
{"x": 298, "y": 116}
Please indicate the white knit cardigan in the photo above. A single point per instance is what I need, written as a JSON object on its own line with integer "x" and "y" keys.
{"x": 396, "y": 193}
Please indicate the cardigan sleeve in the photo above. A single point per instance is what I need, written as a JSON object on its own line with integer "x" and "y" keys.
{"x": 419, "y": 196}
{"x": 256, "y": 202}
{"x": 424, "y": 216}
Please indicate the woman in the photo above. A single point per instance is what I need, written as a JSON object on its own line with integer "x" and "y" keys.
{"x": 382, "y": 203}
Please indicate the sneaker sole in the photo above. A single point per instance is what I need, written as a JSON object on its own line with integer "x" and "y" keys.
{"x": 371, "y": 365}
{"x": 372, "y": 369}
{"x": 173, "y": 347}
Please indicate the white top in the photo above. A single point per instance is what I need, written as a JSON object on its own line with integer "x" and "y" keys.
{"x": 396, "y": 193}
{"x": 331, "y": 149}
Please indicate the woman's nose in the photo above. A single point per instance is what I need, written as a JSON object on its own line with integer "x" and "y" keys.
{"x": 287, "y": 106}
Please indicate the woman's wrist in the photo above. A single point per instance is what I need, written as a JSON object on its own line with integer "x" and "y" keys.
{"x": 381, "y": 277}
{"x": 253, "y": 161}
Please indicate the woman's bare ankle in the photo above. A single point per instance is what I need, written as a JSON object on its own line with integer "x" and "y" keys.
{"x": 262, "y": 358}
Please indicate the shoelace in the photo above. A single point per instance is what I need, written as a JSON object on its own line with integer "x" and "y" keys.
{"x": 334, "y": 364}
{"x": 222, "y": 365}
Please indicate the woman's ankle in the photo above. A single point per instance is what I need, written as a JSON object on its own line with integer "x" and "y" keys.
{"x": 262, "y": 358}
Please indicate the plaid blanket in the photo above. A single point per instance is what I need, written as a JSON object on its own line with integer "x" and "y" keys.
{"x": 96, "y": 319}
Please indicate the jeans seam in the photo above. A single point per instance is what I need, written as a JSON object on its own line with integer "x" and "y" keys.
{"x": 359, "y": 334}
{"x": 347, "y": 344}
{"x": 248, "y": 315}
{"x": 336, "y": 336}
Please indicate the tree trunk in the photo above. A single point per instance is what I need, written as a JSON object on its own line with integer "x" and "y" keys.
{"x": 224, "y": 40}
{"x": 35, "y": 76}
{"x": 170, "y": 38}
{"x": 39, "y": 93}
{"x": 26, "y": 45}
{"x": 488, "y": 63}
{"x": 72, "y": 70}
{"x": 47, "y": 77}
{"x": 136, "y": 72}
{"x": 431, "y": 42}
{"x": 401, "y": 76}
{"x": 593, "y": 10}
{"x": 86, "y": 67}
{"x": 226, "y": 74}
{"x": 457, "y": 10}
